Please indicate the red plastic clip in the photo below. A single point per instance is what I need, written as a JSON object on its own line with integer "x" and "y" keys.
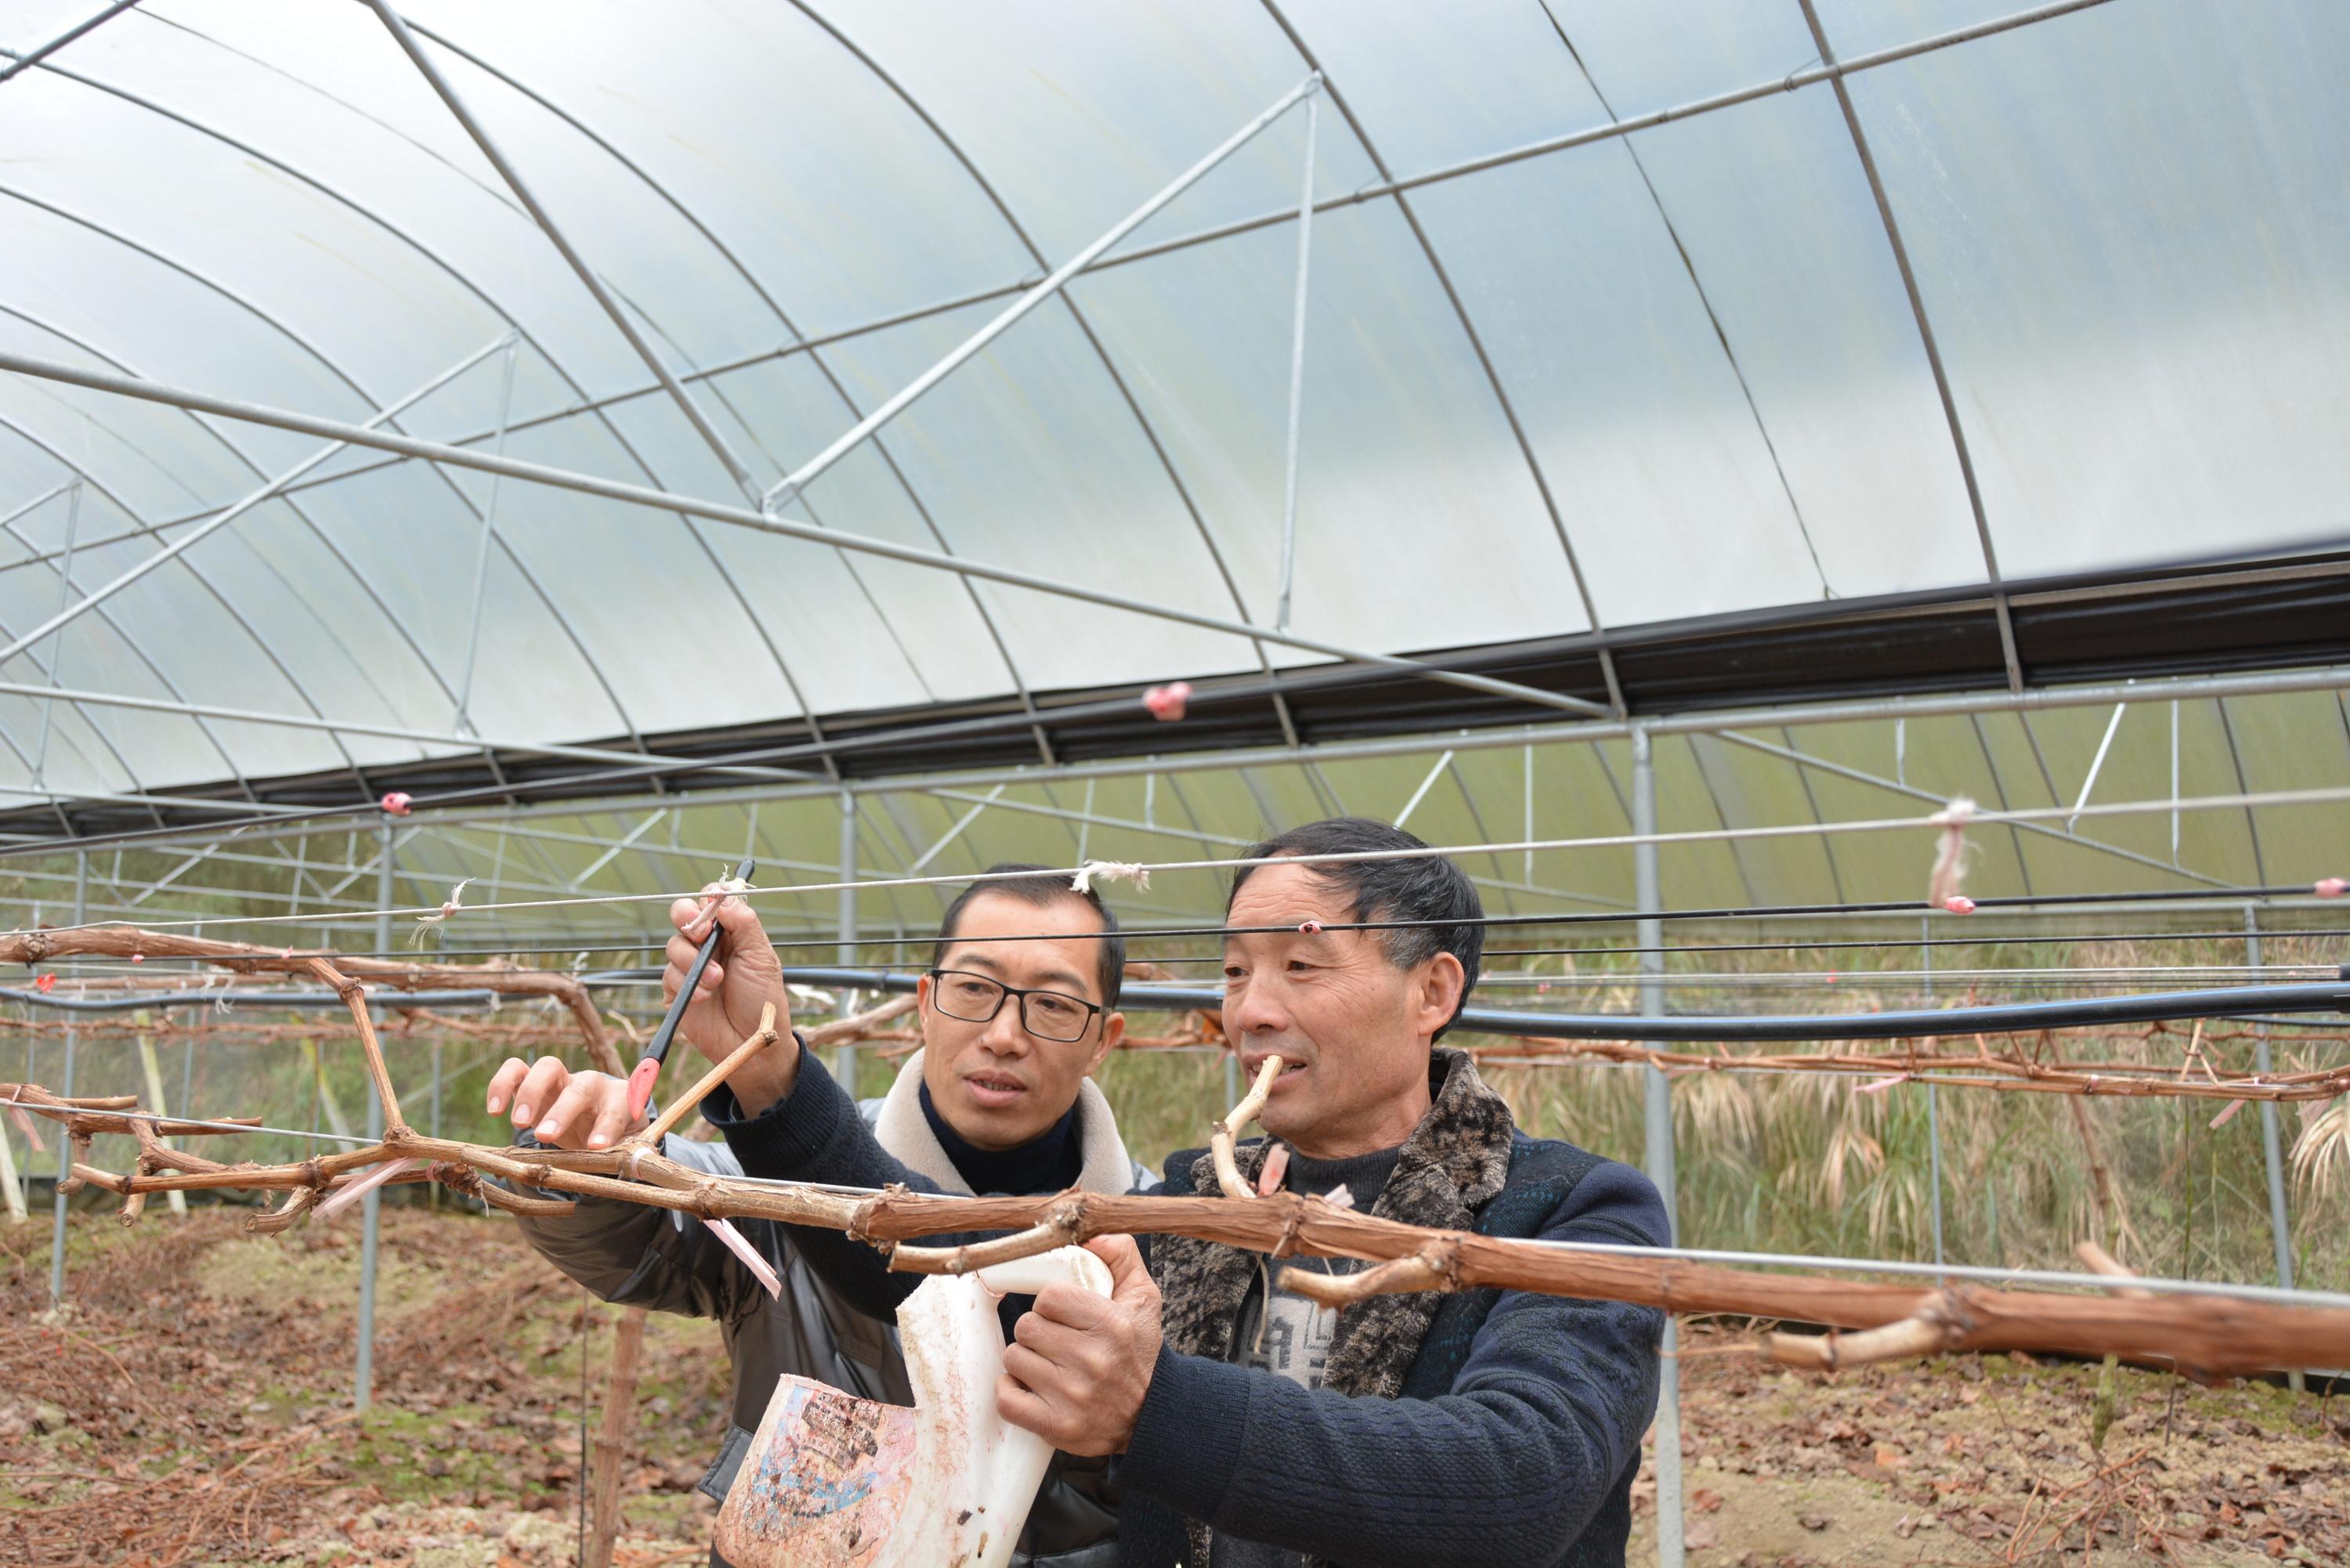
{"x": 1166, "y": 703}
{"x": 398, "y": 803}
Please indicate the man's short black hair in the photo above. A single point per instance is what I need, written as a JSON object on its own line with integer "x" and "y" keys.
{"x": 1044, "y": 890}
{"x": 1425, "y": 888}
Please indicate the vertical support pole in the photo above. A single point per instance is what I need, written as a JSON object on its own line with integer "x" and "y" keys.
{"x": 435, "y": 1124}
{"x": 11, "y": 1194}
{"x": 1933, "y": 1106}
{"x": 371, "y": 1206}
{"x": 153, "y": 1070}
{"x": 1297, "y": 375}
{"x": 2272, "y": 1145}
{"x": 1528, "y": 877}
{"x": 465, "y": 714}
{"x": 1648, "y": 895}
{"x": 31, "y": 1075}
{"x": 64, "y": 1145}
{"x": 58, "y": 640}
{"x": 612, "y": 1436}
{"x": 2174, "y": 781}
{"x": 844, "y": 1057}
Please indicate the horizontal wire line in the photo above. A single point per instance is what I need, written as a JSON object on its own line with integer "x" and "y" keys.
{"x": 1981, "y": 818}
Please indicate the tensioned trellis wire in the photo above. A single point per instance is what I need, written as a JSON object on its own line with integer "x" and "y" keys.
{"x": 1130, "y": 870}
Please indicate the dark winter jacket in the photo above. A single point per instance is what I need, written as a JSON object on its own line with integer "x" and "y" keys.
{"x": 637, "y": 1255}
{"x": 1487, "y": 1428}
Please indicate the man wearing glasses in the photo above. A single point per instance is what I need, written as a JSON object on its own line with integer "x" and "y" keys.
{"x": 1018, "y": 1009}
{"x": 1254, "y": 1426}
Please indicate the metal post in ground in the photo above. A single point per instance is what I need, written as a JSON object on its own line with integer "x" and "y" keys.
{"x": 371, "y": 1206}
{"x": 843, "y": 1056}
{"x": 64, "y": 1145}
{"x": 1649, "y": 896}
{"x": 435, "y": 1124}
{"x": 2271, "y": 1145}
{"x": 1933, "y": 1108}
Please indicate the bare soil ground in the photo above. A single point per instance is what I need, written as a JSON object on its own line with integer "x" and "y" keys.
{"x": 1987, "y": 1460}
{"x": 192, "y": 1406}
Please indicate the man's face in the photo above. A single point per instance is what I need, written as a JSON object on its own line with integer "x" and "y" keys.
{"x": 995, "y": 1083}
{"x": 1352, "y": 1030}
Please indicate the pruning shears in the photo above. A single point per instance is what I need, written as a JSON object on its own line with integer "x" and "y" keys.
{"x": 648, "y": 1065}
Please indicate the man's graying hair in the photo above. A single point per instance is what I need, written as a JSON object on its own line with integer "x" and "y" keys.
{"x": 1426, "y": 888}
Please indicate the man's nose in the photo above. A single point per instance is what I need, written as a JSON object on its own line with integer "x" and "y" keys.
{"x": 1006, "y": 1034}
{"x": 1255, "y": 1007}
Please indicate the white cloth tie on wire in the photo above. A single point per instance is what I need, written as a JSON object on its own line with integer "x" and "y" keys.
{"x": 1950, "y": 858}
{"x": 1110, "y": 871}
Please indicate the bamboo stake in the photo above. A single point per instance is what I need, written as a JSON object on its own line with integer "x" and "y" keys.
{"x": 612, "y": 1437}
{"x": 177, "y": 1201}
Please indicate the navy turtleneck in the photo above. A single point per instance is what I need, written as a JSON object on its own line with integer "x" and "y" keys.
{"x": 1047, "y": 1163}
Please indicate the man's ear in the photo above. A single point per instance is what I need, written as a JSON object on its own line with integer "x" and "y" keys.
{"x": 922, "y": 984}
{"x": 1436, "y": 993}
{"x": 1113, "y": 1030}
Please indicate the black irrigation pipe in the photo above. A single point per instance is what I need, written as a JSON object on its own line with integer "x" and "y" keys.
{"x": 1607, "y": 917}
{"x": 2003, "y": 1018}
{"x": 2230, "y": 1002}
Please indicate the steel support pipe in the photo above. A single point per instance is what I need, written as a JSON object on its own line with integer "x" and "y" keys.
{"x": 743, "y": 517}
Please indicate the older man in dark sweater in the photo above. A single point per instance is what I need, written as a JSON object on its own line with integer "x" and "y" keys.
{"x": 1481, "y": 1428}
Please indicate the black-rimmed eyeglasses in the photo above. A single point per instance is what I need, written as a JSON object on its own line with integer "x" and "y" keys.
{"x": 1047, "y": 1014}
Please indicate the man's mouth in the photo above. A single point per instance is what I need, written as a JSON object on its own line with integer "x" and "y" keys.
{"x": 1252, "y": 1063}
{"x": 994, "y": 1090}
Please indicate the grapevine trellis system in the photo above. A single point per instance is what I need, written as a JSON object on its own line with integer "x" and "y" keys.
{"x": 1875, "y": 641}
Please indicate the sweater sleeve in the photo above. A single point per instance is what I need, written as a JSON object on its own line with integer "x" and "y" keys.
{"x": 1508, "y": 1467}
{"x": 814, "y": 1134}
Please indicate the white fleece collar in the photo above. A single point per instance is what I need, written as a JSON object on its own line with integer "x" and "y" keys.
{"x": 905, "y": 1132}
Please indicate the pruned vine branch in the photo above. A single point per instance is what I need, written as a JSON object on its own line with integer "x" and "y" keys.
{"x": 2221, "y": 1335}
{"x": 2215, "y": 1334}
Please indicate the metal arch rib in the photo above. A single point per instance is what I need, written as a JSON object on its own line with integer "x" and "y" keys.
{"x": 1477, "y": 345}
{"x": 726, "y": 254}
{"x": 599, "y": 406}
{"x": 107, "y": 615}
{"x": 35, "y": 56}
{"x": 767, "y": 522}
{"x": 319, "y": 355}
{"x": 154, "y": 531}
{"x": 292, "y": 337}
{"x": 1705, "y": 302}
{"x": 1375, "y": 190}
{"x": 397, "y": 26}
{"x": 1076, "y": 313}
{"x": 1933, "y": 349}
{"x": 64, "y": 821}
{"x": 132, "y": 643}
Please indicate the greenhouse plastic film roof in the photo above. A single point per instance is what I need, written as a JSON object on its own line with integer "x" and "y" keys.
{"x": 1586, "y": 418}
